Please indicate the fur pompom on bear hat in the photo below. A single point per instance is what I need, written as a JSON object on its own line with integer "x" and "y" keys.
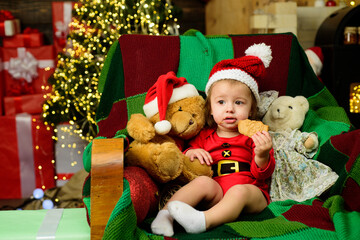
{"x": 248, "y": 69}
{"x": 167, "y": 89}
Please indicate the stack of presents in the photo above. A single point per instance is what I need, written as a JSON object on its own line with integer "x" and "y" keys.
{"x": 30, "y": 158}
{"x": 27, "y": 146}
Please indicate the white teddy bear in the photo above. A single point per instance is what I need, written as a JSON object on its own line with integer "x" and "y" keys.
{"x": 296, "y": 175}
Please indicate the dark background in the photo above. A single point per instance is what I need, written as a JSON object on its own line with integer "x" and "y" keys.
{"x": 38, "y": 14}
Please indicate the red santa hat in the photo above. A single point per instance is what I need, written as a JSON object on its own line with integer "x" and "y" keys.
{"x": 247, "y": 69}
{"x": 316, "y": 59}
{"x": 167, "y": 89}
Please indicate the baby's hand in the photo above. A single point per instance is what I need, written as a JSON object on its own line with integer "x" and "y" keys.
{"x": 263, "y": 144}
{"x": 199, "y": 153}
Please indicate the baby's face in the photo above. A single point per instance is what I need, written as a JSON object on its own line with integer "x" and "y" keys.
{"x": 230, "y": 102}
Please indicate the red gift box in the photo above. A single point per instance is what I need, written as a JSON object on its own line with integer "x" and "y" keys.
{"x": 9, "y": 26}
{"x": 61, "y": 18}
{"x": 1, "y": 100}
{"x": 26, "y": 70}
{"x": 31, "y": 104}
{"x": 31, "y": 39}
{"x": 2, "y": 87}
{"x": 27, "y": 156}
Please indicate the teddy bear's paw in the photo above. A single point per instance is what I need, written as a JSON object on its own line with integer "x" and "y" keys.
{"x": 311, "y": 143}
{"x": 145, "y": 136}
{"x": 168, "y": 160}
{"x": 140, "y": 128}
{"x": 193, "y": 169}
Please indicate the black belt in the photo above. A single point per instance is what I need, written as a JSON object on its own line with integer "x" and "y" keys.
{"x": 225, "y": 167}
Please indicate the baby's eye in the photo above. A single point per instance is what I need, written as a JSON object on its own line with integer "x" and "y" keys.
{"x": 221, "y": 102}
{"x": 238, "y": 102}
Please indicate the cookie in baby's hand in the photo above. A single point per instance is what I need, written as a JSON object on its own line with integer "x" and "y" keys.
{"x": 249, "y": 127}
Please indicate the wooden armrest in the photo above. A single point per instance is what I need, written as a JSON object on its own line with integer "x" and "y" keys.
{"x": 107, "y": 159}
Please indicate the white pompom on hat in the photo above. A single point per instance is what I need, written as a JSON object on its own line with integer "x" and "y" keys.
{"x": 167, "y": 89}
{"x": 247, "y": 69}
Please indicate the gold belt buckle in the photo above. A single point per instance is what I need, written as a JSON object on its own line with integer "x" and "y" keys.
{"x": 235, "y": 167}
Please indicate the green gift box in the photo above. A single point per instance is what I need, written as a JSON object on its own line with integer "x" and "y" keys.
{"x": 67, "y": 223}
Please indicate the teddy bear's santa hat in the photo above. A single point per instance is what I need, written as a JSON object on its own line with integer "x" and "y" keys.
{"x": 167, "y": 89}
{"x": 248, "y": 69}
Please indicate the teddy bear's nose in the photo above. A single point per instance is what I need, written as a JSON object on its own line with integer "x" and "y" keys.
{"x": 278, "y": 110}
{"x": 191, "y": 122}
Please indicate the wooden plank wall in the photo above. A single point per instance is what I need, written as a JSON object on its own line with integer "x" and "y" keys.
{"x": 233, "y": 16}
{"x": 37, "y": 14}
{"x": 230, "y": 18}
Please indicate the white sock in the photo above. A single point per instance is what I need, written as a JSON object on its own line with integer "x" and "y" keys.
{"x": 163, "y": 224}
{"x": 192, "y": 220}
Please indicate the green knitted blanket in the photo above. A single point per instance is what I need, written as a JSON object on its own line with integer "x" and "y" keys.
{"x": 133, "y": 65}
{"x": 336, "y": 216}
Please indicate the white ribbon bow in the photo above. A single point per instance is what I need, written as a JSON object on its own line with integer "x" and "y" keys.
{"x": 61, "y": 29}
{"x": 24, "y": 66}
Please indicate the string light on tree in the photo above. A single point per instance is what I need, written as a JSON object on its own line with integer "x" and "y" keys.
{"x": 353, "y": 3}
{"x": 44, "y": 165}
{"x": 96, "y": 25}
{"x": 355, "y": 98}
{"x": 68, "y": 152}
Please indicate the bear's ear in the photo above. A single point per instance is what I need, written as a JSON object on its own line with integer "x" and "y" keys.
{"x": 303, "y": 102}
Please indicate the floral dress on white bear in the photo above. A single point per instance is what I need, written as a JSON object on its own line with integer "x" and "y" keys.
{"x": 296, "y": 175}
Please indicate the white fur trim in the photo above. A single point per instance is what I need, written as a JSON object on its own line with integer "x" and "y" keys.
{"x": 163, "y": 127}
{"x": 235, "y": 74}
{"x": 261, "y": 51}
{"x": 185, "y": 91}
{"x": 317, "y": 64}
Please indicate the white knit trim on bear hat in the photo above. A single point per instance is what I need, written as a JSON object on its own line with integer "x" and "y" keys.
{"x": 185, "y": 91}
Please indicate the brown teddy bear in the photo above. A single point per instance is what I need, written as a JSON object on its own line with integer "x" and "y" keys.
{"x": 174, "y": 112}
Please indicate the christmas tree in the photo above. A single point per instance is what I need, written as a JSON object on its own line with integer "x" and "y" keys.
{"x": 95, "y": 26}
